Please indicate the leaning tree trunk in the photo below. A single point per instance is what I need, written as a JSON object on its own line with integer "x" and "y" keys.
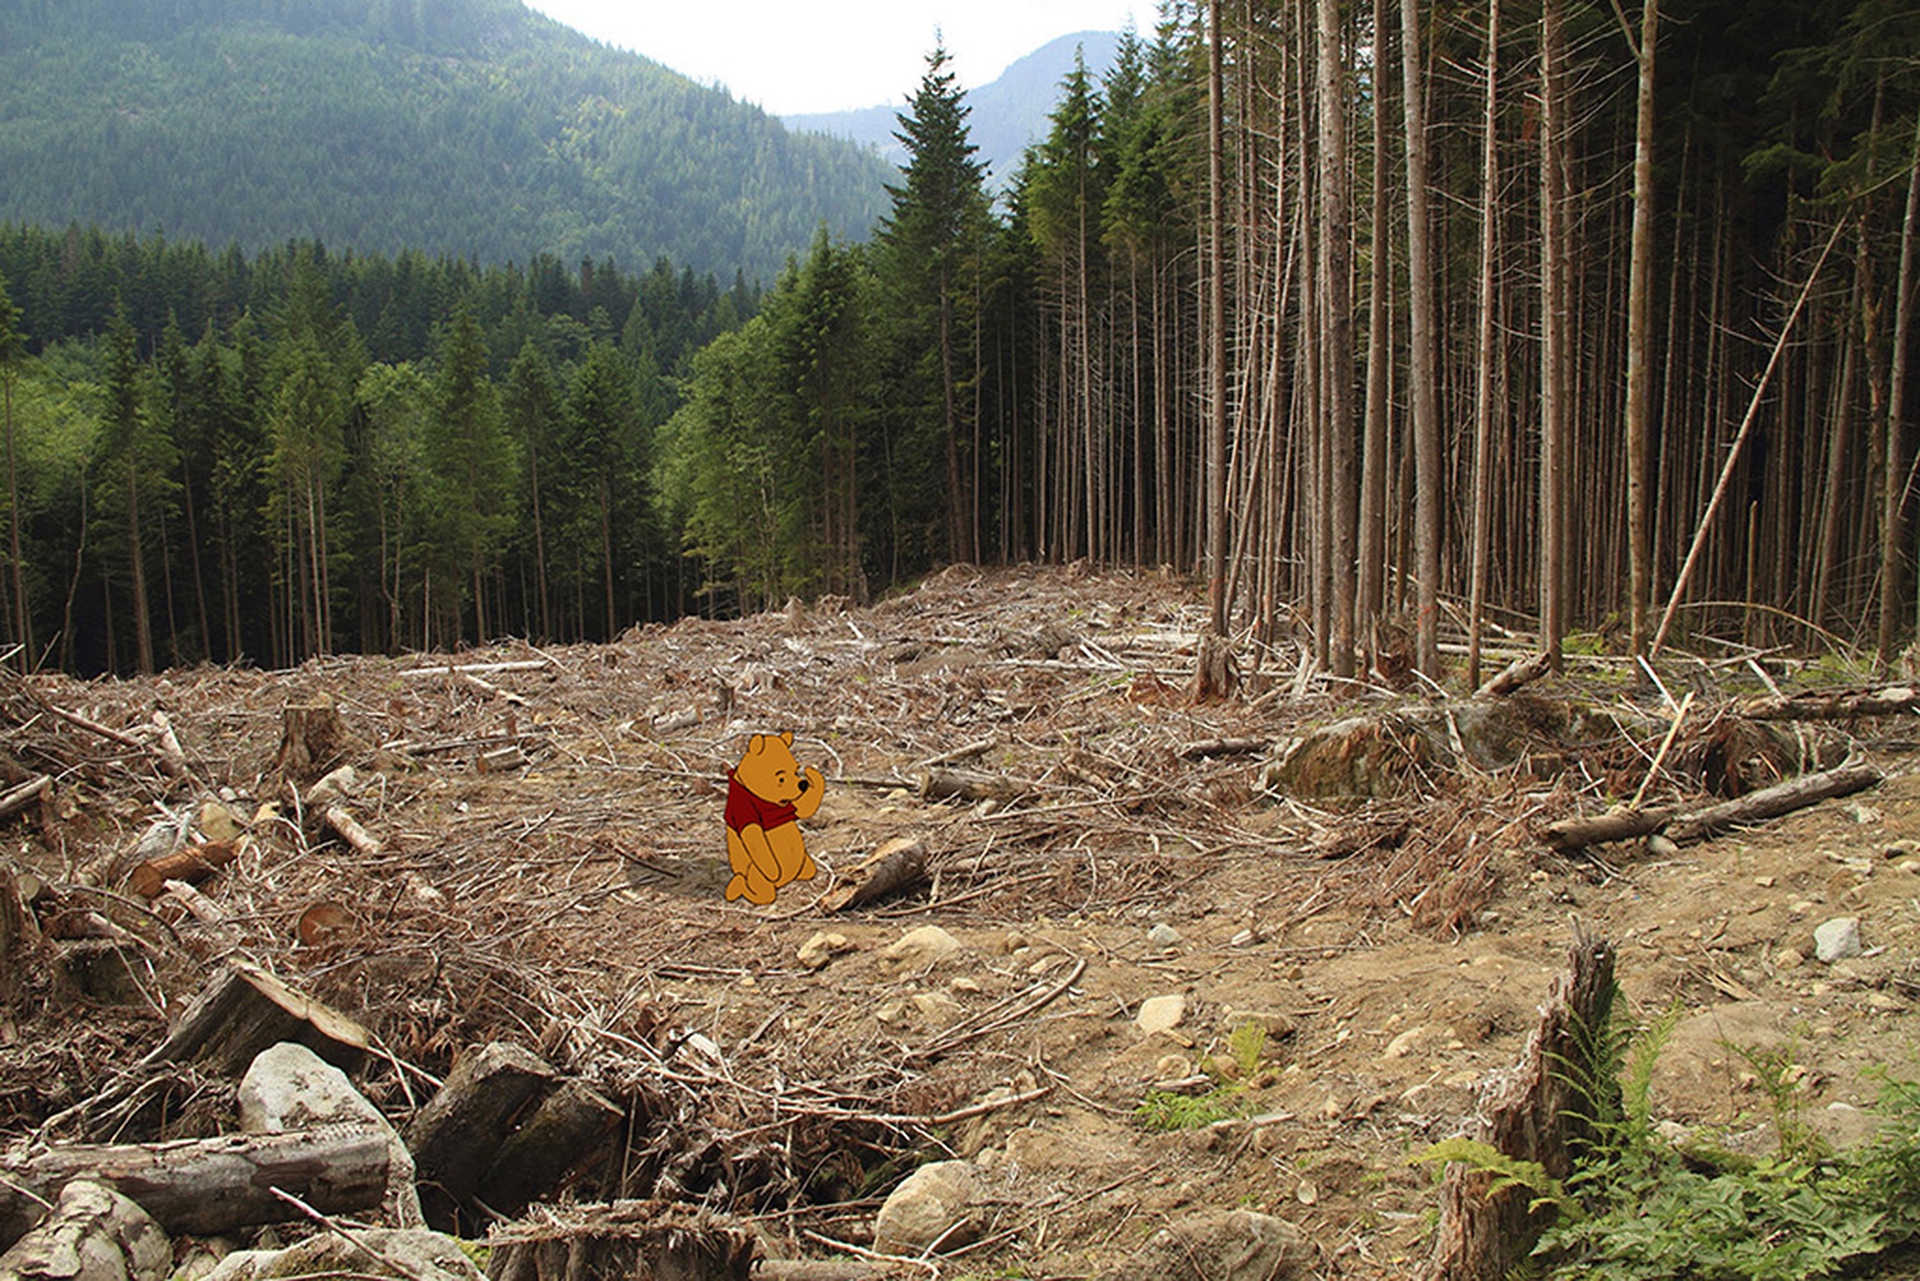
{"x": 1892, "y": 526}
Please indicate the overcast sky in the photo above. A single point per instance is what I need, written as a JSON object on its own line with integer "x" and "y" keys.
{"x": 790, "y": 56}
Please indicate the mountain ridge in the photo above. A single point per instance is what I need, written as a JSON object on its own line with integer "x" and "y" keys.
{"x": 476, "y": 128}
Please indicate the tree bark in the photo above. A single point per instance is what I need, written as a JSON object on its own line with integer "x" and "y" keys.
{"x": 1421, "y": 362}
{"x": 893, "y": 867}
{"x": 1538, "y": 1116}
{"x": 1639, "y": 336}
{"x": 626, "y": 1239}
{"x": 1483, "y": 362}
{"x": 457, "y": 1136}
{"x": 244, "y": 1010}
{"x": 208, "y": 1186}
{"x": 1893, "y": 516}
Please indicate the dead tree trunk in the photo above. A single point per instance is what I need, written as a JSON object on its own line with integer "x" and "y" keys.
{"x": 208, "y": 1186}
{"x": 1538, "y": 1116}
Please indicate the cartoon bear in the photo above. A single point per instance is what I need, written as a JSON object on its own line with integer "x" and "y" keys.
{"x": 766, "y": 793}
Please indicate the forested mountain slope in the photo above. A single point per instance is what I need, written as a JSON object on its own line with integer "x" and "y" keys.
{"x": 471, "y": 127}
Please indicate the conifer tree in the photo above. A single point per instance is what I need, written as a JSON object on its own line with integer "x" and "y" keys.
{"x": 929, "y": 251}
{"x": 13, "y": 352}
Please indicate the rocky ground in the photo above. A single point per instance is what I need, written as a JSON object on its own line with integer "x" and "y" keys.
{"x": 1111, "y": 922}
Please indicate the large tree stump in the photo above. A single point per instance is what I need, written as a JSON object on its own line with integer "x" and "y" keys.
{"x": 19, "y": 937}
{"x": 659, "y": 1240}
{"x": 244, "y": 1010}
{"x": 313, "y": 741}
{"x": 1535, "y": 1115}
{"x": 207, "y": 1186}
{"x": 456, "y": 1138}
{"x": 567, "y": 1127}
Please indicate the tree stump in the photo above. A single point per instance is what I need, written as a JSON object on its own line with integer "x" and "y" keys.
{"x": 660, "y": 1240}
{"x": 896, "y": 865}
{"x": 313, "y": 741}
{"x": 566, "y": 1128}
{"x": 457, "y": 1136}
{"x": 1216, "y": 675}
{"x": 1538, "y": 1115}
{"x": 244, "y": 1010}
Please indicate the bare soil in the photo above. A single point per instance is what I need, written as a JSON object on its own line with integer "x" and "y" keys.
{"x": 1394, "y": 950}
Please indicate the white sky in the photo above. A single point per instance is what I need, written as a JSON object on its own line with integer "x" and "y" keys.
{"x": 791, "y": 57}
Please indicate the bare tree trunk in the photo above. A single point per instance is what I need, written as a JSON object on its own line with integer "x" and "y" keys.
{"x": 1421, "y": 369}
{"x": 1216, "y": 336}
{"x": 1639, "y": 333}
{"x": 1336, "y": 240}
{"x": 1379, "y": 410}
{"x": 1483, "y": 368}
{"x": 1892, "y": 525}
{"x": 1554, "y": 345}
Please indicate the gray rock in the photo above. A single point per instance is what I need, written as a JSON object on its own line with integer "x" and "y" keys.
{"x": 1229, "y": 1245}
{"x": 1163, "y": 935}
{"x": 289, "y": 1087}
{"x": 1837, "y": 939}
{"x": 408, "y": 1254}
{"x": 93, "y": 1234}
{"x": 934, "y": 1204}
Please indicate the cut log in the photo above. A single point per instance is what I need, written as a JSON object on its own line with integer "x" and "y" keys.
{"x": 965, "y": 785}
{"x": 1772, "y": 802}
{"x": 19, "y": 936}
{"x": 469, "y": 669}
{"x": 562, "y": 1132}
{"x": 207, "y": 1186}
{"x": 193, "y": 864}
{"x": 897, "y": 864}
{"x": 350, "y": 831}
{"x": 1836, "y": 704}
{"x": 93, "y": 1234}
{"x": 243, "y": 1010}
{"x": 1520, "y": 672}
{"x": 1617, "y": 824}
{"x": 1537, "y": 1116}
{"x": 1222, "y": 747}
{"x": 503, "y": 759}
{"x": 456, "y": 1137}
{"x": 665, "y": 1240}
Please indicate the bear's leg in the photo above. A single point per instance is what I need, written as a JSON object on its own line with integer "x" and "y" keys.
{"x": 790, "y": 850}
{"x": 748, "y": 881}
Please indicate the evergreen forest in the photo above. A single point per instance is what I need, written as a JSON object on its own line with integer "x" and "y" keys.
{"x": 1389, "y": 321}
{"x": 473, "y": 128}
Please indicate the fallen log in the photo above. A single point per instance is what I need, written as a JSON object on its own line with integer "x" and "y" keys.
{"x": 965, "y": 785}
{"x": 893, "y": 867}
{"x": 348, "y": 828}
{"x": 1772, "y": 802}
{"x": 1520, "y": 672}
{"x": 243, "y": 1010}
{"x": 1683, "y": 826}
{"x": 1221, "y": 747}
{"x": 625, "y": 1239}
{"x": 207, "y": 1186}
{"x": 470, "y": 669}
{"x": 192, "y": 864}
{"x": 1835, "y": 704}
{"x": 1539, "y": 1115}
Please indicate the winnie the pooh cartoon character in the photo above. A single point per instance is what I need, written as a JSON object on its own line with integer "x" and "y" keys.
{"x": 766, "y": 793}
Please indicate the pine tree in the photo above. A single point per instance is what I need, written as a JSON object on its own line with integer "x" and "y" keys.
{"x": 929, "y": 248}
{"x": 13, "y": 353}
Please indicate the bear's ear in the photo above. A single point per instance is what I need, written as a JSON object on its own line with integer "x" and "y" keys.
{"x": 757, "y": 746}
{"x": 787, "y": 738}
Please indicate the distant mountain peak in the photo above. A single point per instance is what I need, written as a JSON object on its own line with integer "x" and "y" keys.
{"x": 1008, "y": 114}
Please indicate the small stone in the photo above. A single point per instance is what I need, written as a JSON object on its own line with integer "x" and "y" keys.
{"x": 1163, "y": 935}
{"x": 1788, "y": 958}
{"x": 219, "y": 824}
{"x": 965, "y": 984}
{"x": 1903, "y": 849}
{"x": 928, "y": 945}
{"x": 1406, "y": 1043}
{"x": 1160, "y": 1014}
{"x": 1862, "y": 813}
{"x": 1837, "y": 939}
{"x": 1662, "y": 846}
{"x": 1765, "y": 882}
{"x": 1173, "y": 1067}
{"x": 1884, "y": 1003}
{"x": 1277, "y": 1023}
{"x": 822, "y": 948}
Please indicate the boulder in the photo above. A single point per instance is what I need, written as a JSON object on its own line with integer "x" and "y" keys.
{"x": 407, "y": 1254}
{"x": 1229, "y": 1245}
{"x": 289, "y": 1087}
{"x": 93, "y": 1234}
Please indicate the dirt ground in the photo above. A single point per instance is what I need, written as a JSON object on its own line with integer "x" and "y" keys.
{"x": 1393, "y": 951}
